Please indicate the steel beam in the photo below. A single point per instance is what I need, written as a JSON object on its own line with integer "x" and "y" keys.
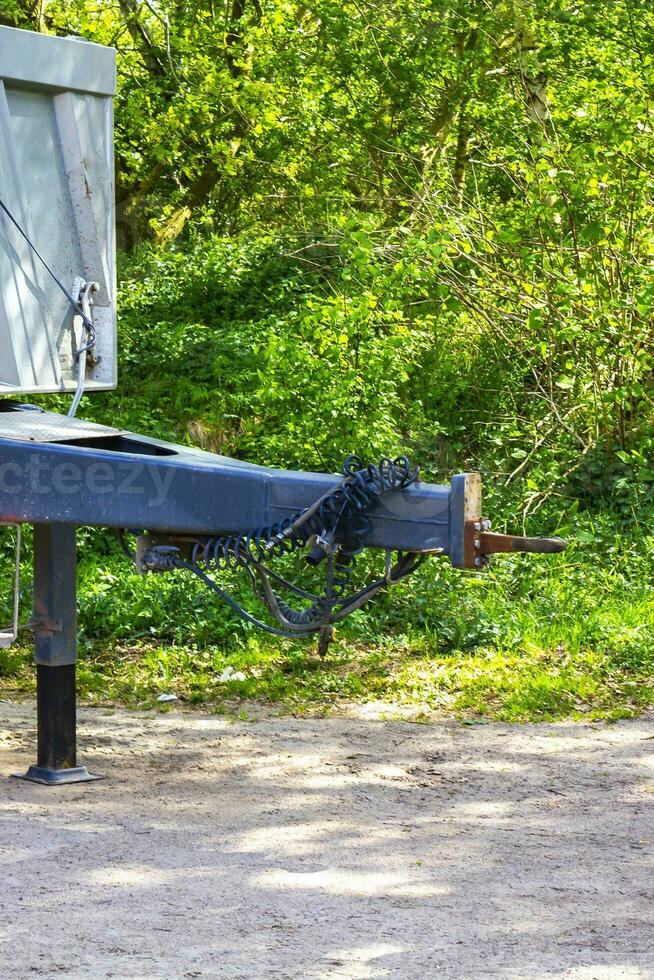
{"x": 55, "y": 654}
{"x": 54, "y": 469}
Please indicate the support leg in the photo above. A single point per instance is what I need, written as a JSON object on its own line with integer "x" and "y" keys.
{"x": 55, "y": 654}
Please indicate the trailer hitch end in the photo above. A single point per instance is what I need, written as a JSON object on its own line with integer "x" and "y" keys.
{"x": 481, "y": 543}
{"x": 491, "y": 543}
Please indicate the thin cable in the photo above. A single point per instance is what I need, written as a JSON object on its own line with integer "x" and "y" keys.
{"x": 9, "y": 637}
{"x": 344, "y": 507}
{"x": 226, "y": 597}
{"x": 120, "y": 534}
{"x": 88, "y": 323}
{"x": 342, "y": 510}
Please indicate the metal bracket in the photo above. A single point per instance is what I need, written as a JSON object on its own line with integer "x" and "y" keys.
{"x": 57, "y": 777}
{"x": 8, "y": 636}
{"x": 84, "y": 290}
{"x": 152, "y": 556}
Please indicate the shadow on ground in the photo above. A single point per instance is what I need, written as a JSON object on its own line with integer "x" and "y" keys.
{"x": 330, "y": 848}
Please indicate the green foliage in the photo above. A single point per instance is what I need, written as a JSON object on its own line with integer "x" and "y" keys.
{"x": 515, "y": 643}
{"x": 393, "y": 227}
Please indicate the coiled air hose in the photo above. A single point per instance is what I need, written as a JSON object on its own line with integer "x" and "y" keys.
{"x": 334, "y": 529}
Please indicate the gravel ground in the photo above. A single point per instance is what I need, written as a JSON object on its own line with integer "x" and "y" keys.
{"x": 329, "y": 848}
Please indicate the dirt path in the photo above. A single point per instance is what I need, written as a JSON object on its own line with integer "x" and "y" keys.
{"x": 330, "y": 848}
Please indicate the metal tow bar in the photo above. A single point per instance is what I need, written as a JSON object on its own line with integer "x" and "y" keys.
{"x": 481, "y": 543}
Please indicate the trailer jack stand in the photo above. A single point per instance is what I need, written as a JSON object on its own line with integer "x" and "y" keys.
{"x": 55, "y": 653}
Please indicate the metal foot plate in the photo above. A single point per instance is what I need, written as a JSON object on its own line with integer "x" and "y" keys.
{"x": 57, "y": 777}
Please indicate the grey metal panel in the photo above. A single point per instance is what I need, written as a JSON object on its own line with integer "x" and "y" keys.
{"x": 40, "y": 60}
{"x": 36, "y": 426}
{"x": 56, "y": 177}
{"x": 33, "y": 184}
{"x": 80, "y": 122}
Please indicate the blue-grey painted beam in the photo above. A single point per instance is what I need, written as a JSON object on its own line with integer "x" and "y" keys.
{"x": 105, "y": 477}
{"x": 465, "y": 506}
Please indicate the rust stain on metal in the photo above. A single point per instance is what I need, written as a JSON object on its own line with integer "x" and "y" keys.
{"x": 480, "y": 543}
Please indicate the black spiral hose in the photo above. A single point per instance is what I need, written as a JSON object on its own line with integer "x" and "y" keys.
{"x": 344, "y": 505}
{"x": 342, "y": 509}
{"x": 335, "y": 528}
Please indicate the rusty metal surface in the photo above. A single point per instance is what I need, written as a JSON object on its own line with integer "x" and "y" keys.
{"x": 493, "y": 544}
{"x": 480, "y": 543}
